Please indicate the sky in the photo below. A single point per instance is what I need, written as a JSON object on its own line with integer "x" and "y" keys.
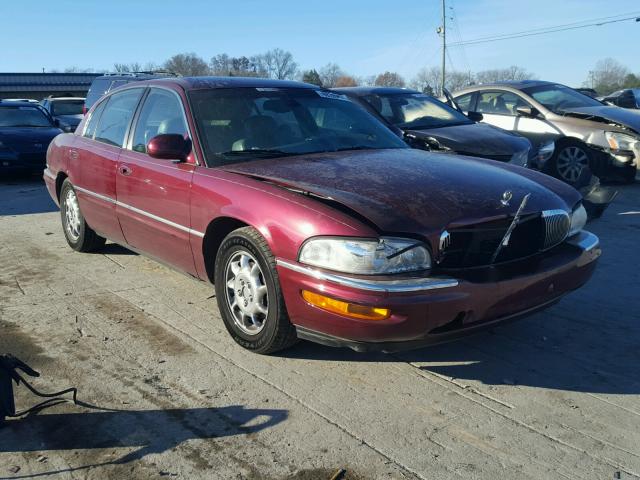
{"x": 363, "y": 37}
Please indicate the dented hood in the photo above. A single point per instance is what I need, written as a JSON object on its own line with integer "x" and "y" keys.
{"x": 623, "y": 116}
{"x": 406, "y": 190}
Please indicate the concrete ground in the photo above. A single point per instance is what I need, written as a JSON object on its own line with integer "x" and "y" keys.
{"x": 554, "y": 396}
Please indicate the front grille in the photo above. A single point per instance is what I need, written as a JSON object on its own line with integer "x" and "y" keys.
{"x": 557, "y": 224}
{"x": 475, "y": 245}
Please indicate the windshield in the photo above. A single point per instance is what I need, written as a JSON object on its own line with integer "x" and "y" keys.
{"x": 237, "y": 124}
{"x": 415, "y": 111}
{"x": 559, "y": 98}
{"x": 67, "y": 107}
{"x": 23, "y": 117}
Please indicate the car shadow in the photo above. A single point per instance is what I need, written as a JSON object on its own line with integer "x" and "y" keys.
{"x": 114, "y": 249}
{"x": 24, "y": 195}
{"x": 147, "y": 431}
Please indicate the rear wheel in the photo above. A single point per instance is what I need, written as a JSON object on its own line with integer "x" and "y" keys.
{"x": 248, "y": 293}
{"x": 80, "y": 236}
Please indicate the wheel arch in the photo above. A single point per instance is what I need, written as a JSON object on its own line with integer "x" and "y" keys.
{"x": 60, "y": 178}
{"x": 216, "y": 231}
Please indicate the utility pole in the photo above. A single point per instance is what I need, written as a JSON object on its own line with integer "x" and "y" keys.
{"x": 444, "y": 45}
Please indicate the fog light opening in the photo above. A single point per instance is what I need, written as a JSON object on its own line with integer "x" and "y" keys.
{"x": 351, "y": 310}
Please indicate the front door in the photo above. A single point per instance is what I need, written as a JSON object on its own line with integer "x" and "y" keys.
{"x": 499, "y": 108}
{"x": 153, "y": 194}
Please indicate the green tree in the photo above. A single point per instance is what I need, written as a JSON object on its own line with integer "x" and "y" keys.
{"x": 312, "y": 76}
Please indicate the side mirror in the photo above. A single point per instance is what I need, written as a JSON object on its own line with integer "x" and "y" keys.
{"x": 169, "y": 146}
{"x": 475, "y": 116}
{"x": 69, "y": 129}
{"x": 526, "y": 111}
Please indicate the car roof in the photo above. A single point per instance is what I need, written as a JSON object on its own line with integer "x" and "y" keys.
{"x": 56, "y": 99}
{"x": 359, "y": 91}
{"x": 517, "y": 84}
{"x": 20, "y": 103}
{"x": 200, "y": 83}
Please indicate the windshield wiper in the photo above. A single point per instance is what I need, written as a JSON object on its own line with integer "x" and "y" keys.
{"x": 27, "y": 125}
{"x": 257, "y": 151}
{"x": 355, "y": 147}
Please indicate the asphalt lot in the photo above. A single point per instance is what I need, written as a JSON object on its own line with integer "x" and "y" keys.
{"x": 554, "y": 396}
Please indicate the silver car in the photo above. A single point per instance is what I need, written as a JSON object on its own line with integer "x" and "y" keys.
{"x": 585, "y": 132}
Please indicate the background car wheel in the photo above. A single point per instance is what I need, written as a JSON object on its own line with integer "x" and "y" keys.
{"x": 569, "y": 160}
{"x": 249, "y": 295}
{"x": 79, "y": 235}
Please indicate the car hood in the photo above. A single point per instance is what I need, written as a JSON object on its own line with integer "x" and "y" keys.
{"x": 28, "y": 139}
{"x": 624, "y": 116}
{"x": 72, "y": 120}
{"x": 476, "y": 139}
{"x": 413, "y": 191}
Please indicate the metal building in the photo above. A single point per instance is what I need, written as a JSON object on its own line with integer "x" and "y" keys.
{"x": 41, "y": 85}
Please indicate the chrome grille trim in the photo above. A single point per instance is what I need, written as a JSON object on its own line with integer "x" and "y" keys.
{"x": 557, "y": 225}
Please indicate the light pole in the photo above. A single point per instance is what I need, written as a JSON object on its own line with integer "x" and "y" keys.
{"x": 444, "y": 45}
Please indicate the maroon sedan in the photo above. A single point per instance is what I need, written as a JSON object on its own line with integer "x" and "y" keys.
{"x": 311, "y": 218}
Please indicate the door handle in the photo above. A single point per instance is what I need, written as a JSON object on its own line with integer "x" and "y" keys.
{"x": 125, "y": 170}
{"x": 73, "y": 154}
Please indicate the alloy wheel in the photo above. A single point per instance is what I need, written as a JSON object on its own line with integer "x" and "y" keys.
{"x": 72, "y": 216}
{"x": 571, "y": 162}
{"x": 246, "y": 292}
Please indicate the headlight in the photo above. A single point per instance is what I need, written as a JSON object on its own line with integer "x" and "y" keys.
{"x": 620, "y": 141}
{"x": 578, "y": 220}
{"x": 366, "y": 256}
{"x": 520, "y": 158}
{"x": 545, "y": 152}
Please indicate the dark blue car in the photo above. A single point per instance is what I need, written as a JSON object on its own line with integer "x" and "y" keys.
{"x": 25, "y": 133}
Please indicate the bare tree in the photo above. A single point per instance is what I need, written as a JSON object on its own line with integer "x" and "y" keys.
{"x": 187, "y": 64}
{"x": 427, "y": 80}
{"x": 127, "y": 67}
{"x": 500, "y": 74}
{"x": 608, "y": 75}
{"x": 277, "y": 63}
{"x": 330, "y": 74}
{"x": 225, "y": 65}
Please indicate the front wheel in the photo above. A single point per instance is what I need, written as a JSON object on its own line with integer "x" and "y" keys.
{"x": 569, "y": 161}
{"x": 248, "y": 293}
{"x": 80, "y": 236}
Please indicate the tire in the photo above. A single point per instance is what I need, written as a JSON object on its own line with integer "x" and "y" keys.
{"x": 248, "y": 293}
{"x": 80, "y": 236}
{"x": 569, "y": 159}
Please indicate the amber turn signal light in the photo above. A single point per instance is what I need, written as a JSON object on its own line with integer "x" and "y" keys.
{"x": 345, "y": 309}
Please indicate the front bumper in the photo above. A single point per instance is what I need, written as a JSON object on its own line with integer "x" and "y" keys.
{"x": 433, "y": 310}
{"x": 21, "y": 162}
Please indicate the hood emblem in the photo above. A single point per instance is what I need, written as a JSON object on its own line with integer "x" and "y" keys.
{"x": 506, "y": 198}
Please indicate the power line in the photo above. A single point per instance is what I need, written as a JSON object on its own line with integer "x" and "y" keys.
{"x": 541, "y": 31}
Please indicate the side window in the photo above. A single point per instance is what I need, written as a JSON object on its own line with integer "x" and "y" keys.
{"x": 161, "y": 113}
{"x": 116, "y": 116}
{"x": 92, "y": 122}
{"x": 464, "y": 101}
{"x": 499, "y": 103}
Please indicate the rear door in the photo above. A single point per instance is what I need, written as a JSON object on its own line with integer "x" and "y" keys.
{"x": 93, "y": 161}
{"x": 153, "y": 194}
